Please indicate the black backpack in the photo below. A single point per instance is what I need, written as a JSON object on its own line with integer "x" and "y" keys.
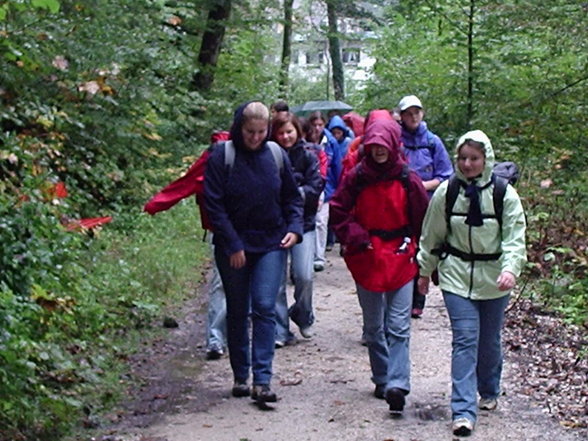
{"x": 503, "y": 173}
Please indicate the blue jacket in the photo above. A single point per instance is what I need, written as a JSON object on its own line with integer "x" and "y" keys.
{"x": 335, "y": 163}
{"x": 426, "y": 154}
{"x": 252, "y": 205}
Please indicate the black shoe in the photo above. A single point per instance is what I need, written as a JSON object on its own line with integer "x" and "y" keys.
{"x": 214, "y": 353}
{"x": 380, "y": 391}
{"x": 240, "y": 389}
{"x": 263, "y": 394}
{"x": 395, "y": 399}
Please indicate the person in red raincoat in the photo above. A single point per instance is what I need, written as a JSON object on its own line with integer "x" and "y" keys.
{"x": 377, "y": 213}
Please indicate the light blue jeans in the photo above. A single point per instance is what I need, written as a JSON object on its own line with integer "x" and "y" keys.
{"x": 216, "y": 325}
{"x": 254, "y": 286}
{"x": 386, "y": 328}
{"x": 301, "y": 267}
{"x": 322, "y": 228}
{"x": 476, "y": 358}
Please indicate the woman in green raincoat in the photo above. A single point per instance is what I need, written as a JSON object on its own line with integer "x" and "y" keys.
{"x": 478, "y": 258}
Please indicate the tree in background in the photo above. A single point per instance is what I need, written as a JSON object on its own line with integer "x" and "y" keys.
{"x": 210, "y": 47}
{"x": 286, "y": 48}
{"x": 335, "y": 49}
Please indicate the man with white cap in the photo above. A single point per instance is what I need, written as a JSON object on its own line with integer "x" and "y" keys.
{"x": 426, "y": 155}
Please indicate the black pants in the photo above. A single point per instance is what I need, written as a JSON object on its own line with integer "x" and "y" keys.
{"x": 418, "y": 300}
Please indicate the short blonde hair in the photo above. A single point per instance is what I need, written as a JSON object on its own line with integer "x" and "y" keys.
{"x": 255, "y": 110}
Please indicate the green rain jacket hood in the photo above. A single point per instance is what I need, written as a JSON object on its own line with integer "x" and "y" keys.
{"x": 477, "y": 279}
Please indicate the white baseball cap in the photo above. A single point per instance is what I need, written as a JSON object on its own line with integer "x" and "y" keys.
{"x": 409, "y": 101}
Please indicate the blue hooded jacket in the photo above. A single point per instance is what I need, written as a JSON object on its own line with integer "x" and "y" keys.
{"x": 426, "y": 154}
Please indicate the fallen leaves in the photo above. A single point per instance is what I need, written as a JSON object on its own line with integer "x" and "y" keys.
{"x": 549, "y": 362}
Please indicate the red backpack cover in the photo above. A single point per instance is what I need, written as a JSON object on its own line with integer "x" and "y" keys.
{"x": 192, "y": 183}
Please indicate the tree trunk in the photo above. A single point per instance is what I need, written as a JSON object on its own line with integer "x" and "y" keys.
{"x": 286, "y": 48}
{"x": 470, "y": 96}
{"x": 335, "y": 51}
{"x": 210, "y": 47}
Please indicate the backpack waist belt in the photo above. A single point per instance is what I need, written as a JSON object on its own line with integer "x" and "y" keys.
{"x": 447, "y": 249}
{"x": 391, "y": 234}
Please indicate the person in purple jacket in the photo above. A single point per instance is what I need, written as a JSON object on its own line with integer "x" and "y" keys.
{"x": 256, "y": 212}
{"x": 427, "y": 156}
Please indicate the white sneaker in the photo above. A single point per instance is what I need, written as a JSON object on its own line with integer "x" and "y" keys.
{"x": 488, "y": 403}
{"x": 307, "y": 332}
{"x": 462, "y": 427}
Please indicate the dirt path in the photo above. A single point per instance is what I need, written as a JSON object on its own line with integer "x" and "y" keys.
{"x": 323, "y": 386}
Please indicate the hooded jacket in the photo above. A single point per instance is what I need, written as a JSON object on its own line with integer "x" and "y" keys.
{"x": 305, "y": 165}
{"x": 253, "y": 204}
{"x": 476, "y": 279}
{"x": 426, "y": 154}
{"x": 375, "y": 210}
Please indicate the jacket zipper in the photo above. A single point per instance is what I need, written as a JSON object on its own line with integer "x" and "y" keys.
{"x": 472, "y": 263}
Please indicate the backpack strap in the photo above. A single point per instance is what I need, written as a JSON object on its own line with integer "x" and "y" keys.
{"x": 274, "y": 148}
{"x": 453, "y": 185}
{"x": 500, "y": 185}
{"x": 229, "y": 154}
{"x": 278, "y": 155}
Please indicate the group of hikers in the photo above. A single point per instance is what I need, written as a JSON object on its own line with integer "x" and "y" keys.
{"x": 284, "y": 190}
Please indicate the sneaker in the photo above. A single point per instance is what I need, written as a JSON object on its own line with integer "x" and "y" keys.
{"x": 280, "y": 344}
{"x": 395, "y": 399}
{"x": 307, "y": 332}
{"x": 363, "y": 341}
{"x": 240, "y": 389}
{"x": 380, "y": 391}
{"x": 488, "y": 403}
{"x": 263, "y": 394}
{"x": 214, "y": 353}
{"x": 416, "y": 313}
{"x": 462, "y": 427}
{"x": 318, "y": 267}
{"x": 329, "y": 247}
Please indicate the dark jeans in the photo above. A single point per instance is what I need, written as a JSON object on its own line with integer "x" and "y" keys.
{"x": 418, "y": 300}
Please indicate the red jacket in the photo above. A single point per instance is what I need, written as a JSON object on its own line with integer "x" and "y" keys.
{"x": 374, "y": 209}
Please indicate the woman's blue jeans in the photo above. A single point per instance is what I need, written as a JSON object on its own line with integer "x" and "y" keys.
{"x": 251, "y": 288}
{"x": 476, "y": 358}
{"x": 386, "y": 328}
{"x": 301, "y": 266}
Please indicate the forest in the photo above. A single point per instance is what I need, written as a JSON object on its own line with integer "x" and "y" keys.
{"x": 104, "y": 102}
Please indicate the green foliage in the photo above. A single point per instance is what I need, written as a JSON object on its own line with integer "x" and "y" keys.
{"x": 61, "y": 351}
{"x": 529, "y": 75}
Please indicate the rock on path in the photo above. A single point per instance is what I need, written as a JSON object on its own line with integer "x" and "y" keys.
{"x": 325, "y": 392}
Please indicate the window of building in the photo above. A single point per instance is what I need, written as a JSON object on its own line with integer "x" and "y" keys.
{"x": 350, "y": 55}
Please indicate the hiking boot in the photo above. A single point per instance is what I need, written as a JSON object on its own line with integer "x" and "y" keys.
{"x": 395, "y": 399}
{"x": 380, "y": 391}
{"x": 307, "y": 332}
{"x": 263, "y": 394}
{"x": 214, "y": 353}
{"x": 488, "y": 403}
{"x": 416, "y": 313}
{"x": 240, "y": 389}
{"x": 462, "y": 427}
